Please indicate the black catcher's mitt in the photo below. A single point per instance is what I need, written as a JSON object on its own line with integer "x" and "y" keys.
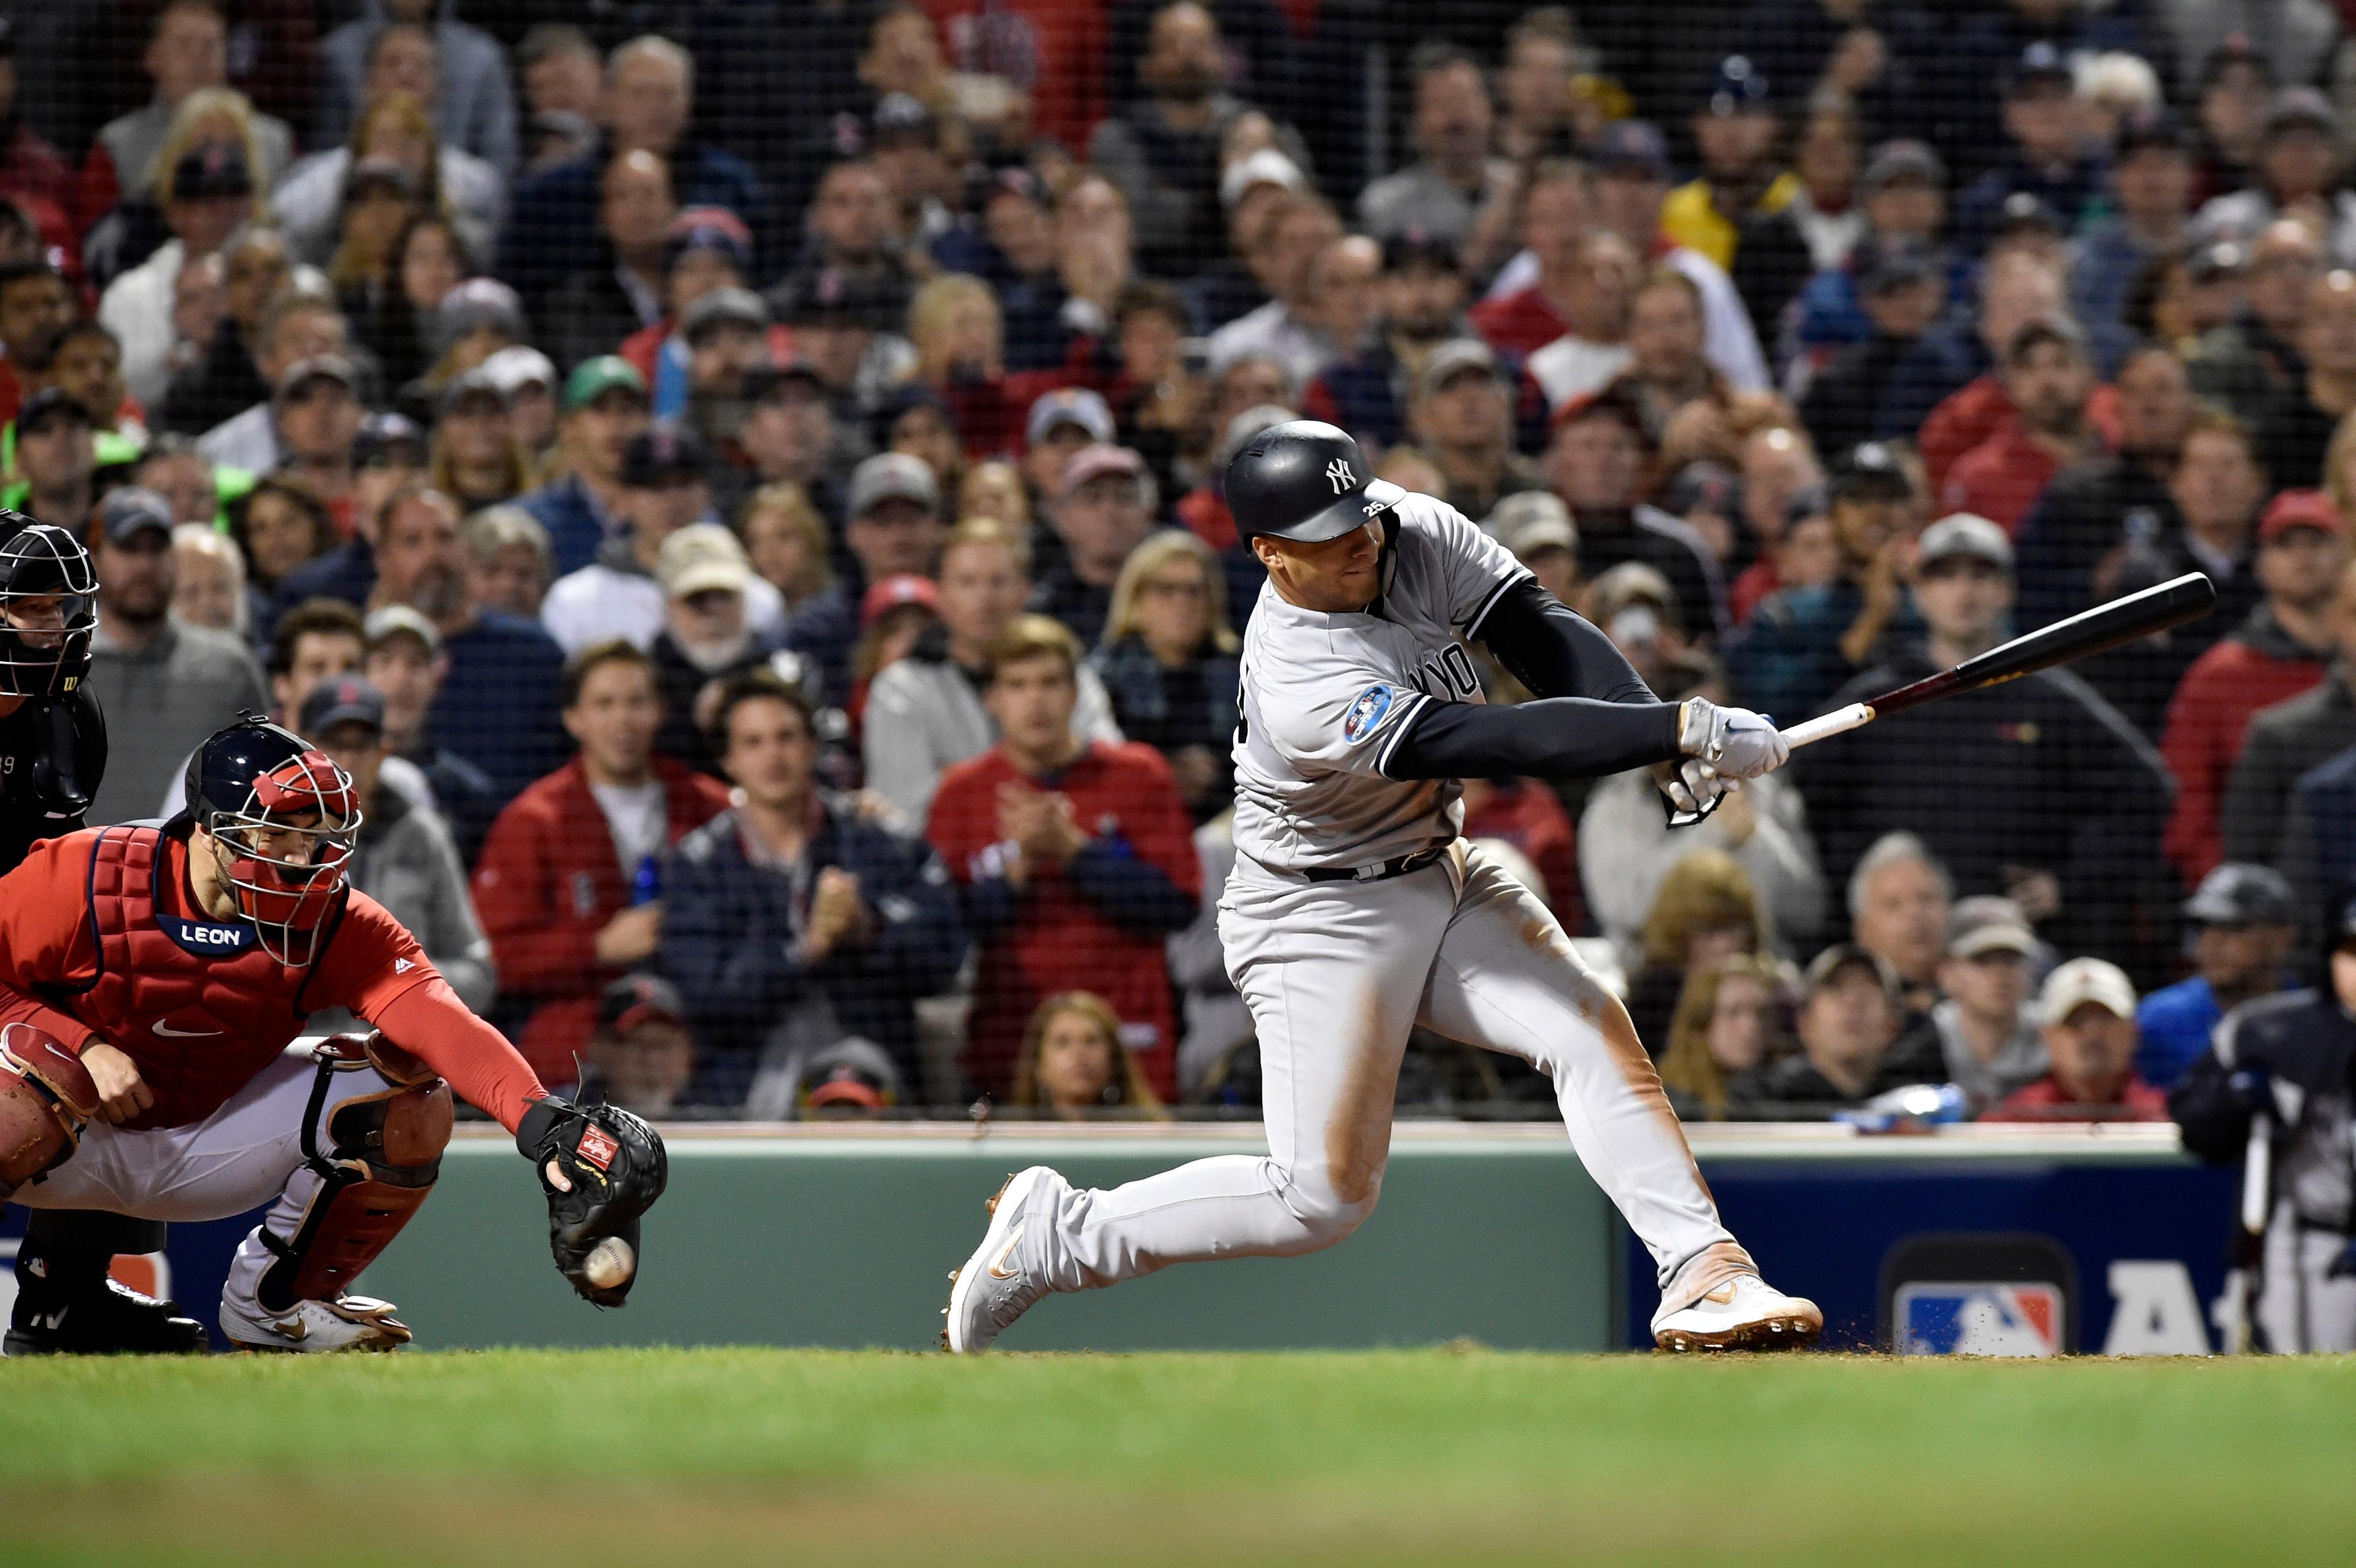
{"x": 601, "y": 1168}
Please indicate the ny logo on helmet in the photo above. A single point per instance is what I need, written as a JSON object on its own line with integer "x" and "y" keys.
{"x": 1338, "y": 471}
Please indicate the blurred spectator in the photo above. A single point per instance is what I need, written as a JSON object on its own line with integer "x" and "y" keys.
{"x": 1982, "y": 1035}
{"x": 1706, "y": 910}
{"x": 1626, "y": 849}
{"x": 1536, "y": 527}
{"x": 2089, "y": 509}
{"x": 850, "y": 252}
{"x": 1777, "y": 253}
{"x": 1526, "y": 818}
{"x": 1163, "y": 150}
{"x": 1736, "y": 132}
{"x": 2068, "y": 797}
{"x": 705, "y": 636}
{"x": 1902, "y": 191}
{"x": 476, "y": 458}
{"x": 925, "y": 713}
{"x": 560, "y": 71}
{"x": 187, "y": 52}
{"x": 852, "y": 1078}
{"x": 280, "y": 527}
{"x": 2151, "y": 176}
{"x": 208, "y": 581}
{"x": 392, "y": 158}
{"x": 2282, "y": 742}
{"x": 1942, "y": 390}
{"x": 1593, "y": 347}
{"x": 2286, "y": 1057}
{"x": 388, "y": 457}
{"x": 1461, "y": 416}
{"x": 1848, "y": 1022}
{"x": 208, "y": 194}
{"x": 498, "y": 704}
{"x": 35, "y": 304}
{"x": 895, "y": 530}
{"x": 1595, "y": 463}
{"x": 85, "y": 363}
{"x": 2048, "y": 378}
{"x": 223, "y": 377}
{"x": 32, "y": 171}
{"x": 2295, "y": 429}
{"x": 568, "y": 884}
{"x": 528, "y": 379}
{"x": 641, "y": 1057}
{"x": 791, "y": 918}
{"x": 1062, "y": 424}
{"x": 726, "y": 335}
{"x": 704, "y": 250}
{"x": 1297, "y": 229}
{"x": 1168, "y": 663}
{"x": 605, "y": 409}
{"x": 2046, "y": 156}
{"x": 165, "y": 686}
{"x": 509, "y": 565}
{"x": 475, "y": 321}
{"x": 1803, "y": 642}
{"x": 784, "y": 538}
{"x": 1557, "y": 214}
{"x": 1900, "y": 899}
{"x": 1780, "y": 481}
{"x": 56, "y": 461}
{"x": 1666, "y": 370}
{"x": 1103, "y": 509}
{"x": 647, "y": 105}
{"x": 2242, "y": 924}
{"x": 2246, "y": 363}
{"x": 1422, "y": 306}
{"x": 315, "y": 418}
{"x": 1729, "y": 1022}
{"x": 405, "y": 663}
{"x": 618, "y": 595}
{"x": 1074, "y": 859}
{"x": 297, "y": 327}
{"x": 404, "y": 859}
{"x": 2279, "y": 650}
{"x": 2296, "y": 174}
{"x": 1075, "y": 1066}
{"x": 894, "y": 614}
{"x": 2088, "y": 1012}
{"x": 474, "y": 108}
{"x": 621, "y": 290}
{"x": 1455, "y": 187}
{"x": 169, "y": 466}
{"x": 2209, "y": 526}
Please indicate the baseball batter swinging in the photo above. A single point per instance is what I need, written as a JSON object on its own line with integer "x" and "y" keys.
{"x": 1356, "y": 911}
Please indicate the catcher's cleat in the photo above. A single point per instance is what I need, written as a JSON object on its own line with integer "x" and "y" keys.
{"x": 1746, "y": 1313}
{"x": 347, "y": 1323}
{"x": 994, "y": 1289}
{"x": 101, "y": 1319}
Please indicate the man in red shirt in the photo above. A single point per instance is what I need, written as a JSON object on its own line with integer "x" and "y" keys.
{"x": 570, "y": 877}
{"x": 2088, "y": 1012}
{"x": 150, "y": 982}
{"x": 2050, "y": 379}
{"x": 1557, "y": 214}
{"x": 1074, "y": 859}
{"x": 2281, "y": 650}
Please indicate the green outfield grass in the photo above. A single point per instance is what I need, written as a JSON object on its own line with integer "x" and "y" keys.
{"x": 1447, "y": 1456}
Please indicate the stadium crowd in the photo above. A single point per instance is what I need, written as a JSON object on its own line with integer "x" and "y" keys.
{"x": 737, "y": 485}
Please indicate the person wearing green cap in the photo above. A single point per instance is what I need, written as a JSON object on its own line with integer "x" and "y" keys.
{"x": 604, "y": 405}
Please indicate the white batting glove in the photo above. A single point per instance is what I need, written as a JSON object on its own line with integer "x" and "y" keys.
{"x": 1695, "y": 788}
{"x": 1736, "y": 741}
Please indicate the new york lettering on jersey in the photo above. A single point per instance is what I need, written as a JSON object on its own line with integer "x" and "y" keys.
{"x": 1326, "y": 699}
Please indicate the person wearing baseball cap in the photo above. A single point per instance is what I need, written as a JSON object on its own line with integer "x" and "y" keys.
{"x": 2244, "y": 922}
{"x": 56, "y": 461}
{"x": 2278, "y": 641}
{"x": 895, "y": 530}
{"x": 1848, "y": 1024}
{"x": 316, "y": 410}
{"x": 2087, "y": 1013}
{"x": 1061, "y": 424}
{"x": 2048, "y": 378}
{"x": 1735, "y": 129}
{"x": 1461, "y": 416}
{"x": 641, "y": 1054}
{"x": 706, "y": 637}
{"x": 1981, "y": 1035}
{"x": 1103, "y": 509}
{"x": 603, "y": 406}
{"x": 2042, "y": 152}
{"x": 1897, "y": 287}
{"x": 1594, "y": 458}
{"x": 2152, "y": 174}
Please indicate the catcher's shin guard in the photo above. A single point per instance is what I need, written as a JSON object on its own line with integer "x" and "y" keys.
{"x": 46, "y": 1095}
{"x": 385, "y": 1152}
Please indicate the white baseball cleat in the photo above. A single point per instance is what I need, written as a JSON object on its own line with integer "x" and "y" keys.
{"x": 1746, "y": 1313}
{"x": 993, "y": 1289}
{"x": 347, "y": 1323}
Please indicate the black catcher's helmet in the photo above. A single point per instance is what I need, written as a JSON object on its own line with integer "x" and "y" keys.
{"x": 284, "y": 819}
{"x": 1304, "y": 480}
{"x": 49, "y": 608}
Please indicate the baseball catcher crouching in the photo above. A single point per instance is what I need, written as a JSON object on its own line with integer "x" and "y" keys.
{"x": 151, "y": 983}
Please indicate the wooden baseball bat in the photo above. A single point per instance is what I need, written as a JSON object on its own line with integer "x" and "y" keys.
{"x": 2106, "y": 626}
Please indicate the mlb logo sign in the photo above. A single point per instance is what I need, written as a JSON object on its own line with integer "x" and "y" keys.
{"x": 1955, "y": 1318}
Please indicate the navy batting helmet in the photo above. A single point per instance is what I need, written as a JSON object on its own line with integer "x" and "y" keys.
{"x": 283, "y": 819}
{"x": 1304, "y": 480}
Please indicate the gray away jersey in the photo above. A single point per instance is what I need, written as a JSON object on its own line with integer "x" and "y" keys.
{"x": 1326, "y": 699}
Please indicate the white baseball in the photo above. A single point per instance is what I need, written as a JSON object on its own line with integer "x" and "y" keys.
{"x": 610, "y": 1264}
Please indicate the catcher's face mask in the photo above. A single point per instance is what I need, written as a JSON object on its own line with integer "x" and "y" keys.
{"x": 284, "y": 852}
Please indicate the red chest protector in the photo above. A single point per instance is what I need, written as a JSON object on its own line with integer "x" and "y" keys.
{"x": 195, "y": 1003}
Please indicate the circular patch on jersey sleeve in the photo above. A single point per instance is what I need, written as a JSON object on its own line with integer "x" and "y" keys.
{"x": 1367, "y": 713}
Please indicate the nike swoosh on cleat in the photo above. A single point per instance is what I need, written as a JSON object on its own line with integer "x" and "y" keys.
{"x": 998, "y": 1269}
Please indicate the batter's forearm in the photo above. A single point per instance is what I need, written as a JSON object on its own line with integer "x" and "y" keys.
{"x": 1555, "y": 737}
{"x": 1554, "y": 650}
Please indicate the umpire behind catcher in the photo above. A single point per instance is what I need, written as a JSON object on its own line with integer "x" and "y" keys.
{"x": 2291, "y": 1056}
